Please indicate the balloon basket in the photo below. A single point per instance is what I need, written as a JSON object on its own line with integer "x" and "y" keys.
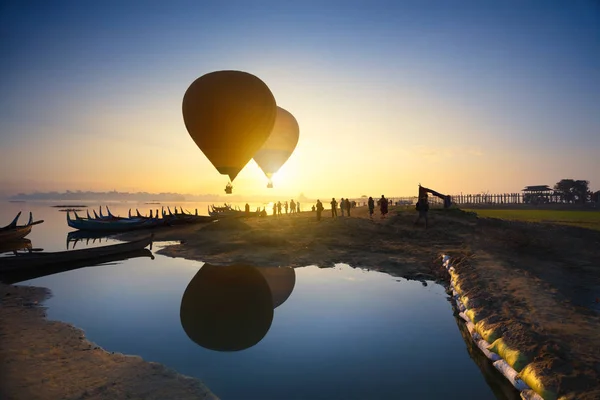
{"x": 228, "y": 189}
{"x": 270, "y": 185}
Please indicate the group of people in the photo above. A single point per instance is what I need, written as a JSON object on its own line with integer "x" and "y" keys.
{"x": 345, "y": 204}
{"x": 291, "y": 208}
{"x": 422, "y": 207}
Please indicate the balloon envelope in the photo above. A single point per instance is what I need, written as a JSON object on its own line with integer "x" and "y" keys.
{"x": 227, "y": 308}
{"x": 229, "y": 115}
{"x": 280, "y": 145}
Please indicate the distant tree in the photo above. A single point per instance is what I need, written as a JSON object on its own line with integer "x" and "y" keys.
{"x": 573, "y": 191}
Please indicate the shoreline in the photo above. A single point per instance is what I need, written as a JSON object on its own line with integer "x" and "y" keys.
{"x": 533, "y": 276}
{"x": 59, "y": 360}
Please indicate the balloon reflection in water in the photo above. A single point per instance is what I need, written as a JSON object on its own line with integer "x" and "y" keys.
{"x": 230, "y": 308}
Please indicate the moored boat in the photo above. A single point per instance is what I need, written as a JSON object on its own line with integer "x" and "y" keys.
{"x": 12, "y": 231}
{"x": 120, "y": 225}
{"x": 36, "y": 260}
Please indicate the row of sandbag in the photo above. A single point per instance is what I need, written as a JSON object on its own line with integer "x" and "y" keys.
{"x": 509, "y": 362}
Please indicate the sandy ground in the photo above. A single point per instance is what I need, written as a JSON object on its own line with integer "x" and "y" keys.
{"x": 539, "y": 281}
{"x": 50, "y": 360}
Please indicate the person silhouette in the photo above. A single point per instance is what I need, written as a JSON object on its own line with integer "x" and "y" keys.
{"x": 333, "y": 208}
{"x": 319, "y": 209}
{"x": 422, "y": 207}
{"x": 383, "y": 206}
{"x": 342, "y": 206}
{"x": 371, "y": 204}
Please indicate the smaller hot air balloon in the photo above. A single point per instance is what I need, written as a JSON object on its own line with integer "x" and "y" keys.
{"x": 229, "y": 115}
{"x": 279, "y": 146}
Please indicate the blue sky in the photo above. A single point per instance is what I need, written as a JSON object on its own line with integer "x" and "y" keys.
{"x": 460, "y": 95}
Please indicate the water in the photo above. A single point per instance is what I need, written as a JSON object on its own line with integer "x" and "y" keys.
{"x": 342, "y": 332}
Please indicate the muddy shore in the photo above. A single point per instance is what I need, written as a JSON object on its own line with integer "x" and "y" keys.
{"x": 539, "y": 280}
{"x": 49, "y": 360}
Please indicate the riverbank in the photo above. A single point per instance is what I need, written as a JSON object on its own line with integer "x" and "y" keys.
{"x": 541, "y": 281}
{"x": 49, "y": 360}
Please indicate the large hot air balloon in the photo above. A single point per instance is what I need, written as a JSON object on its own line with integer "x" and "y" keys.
{"x": 230, "y": 308}
{"x": 280, "y": 145}
{"x": 229, "y": 115}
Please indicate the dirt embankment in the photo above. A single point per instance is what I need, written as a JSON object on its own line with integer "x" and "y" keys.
{"x": 48, "y": 360}
{"x": 538, "y": 284}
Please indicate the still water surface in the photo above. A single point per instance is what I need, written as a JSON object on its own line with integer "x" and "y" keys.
{"x": 342, "y": 332}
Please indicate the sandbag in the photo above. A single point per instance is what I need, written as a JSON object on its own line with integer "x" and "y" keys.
{"x": 510, "y": 374}
{"x": 464, "y": 317}
{"x": 466, "y": 300}
{"x": 483, "y": 346}
{"x": 530, "y": 395}
{"x": 530, "y": 376}
{"x": 513, "y": 357}
{"x": 474, "y": 315}
{"x": 489, "y": 334}
{"x": 471, "y": 329}
{"x": 458, "y": 288}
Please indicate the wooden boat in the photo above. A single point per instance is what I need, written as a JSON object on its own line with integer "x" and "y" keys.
{"x": 24, "y": 273}
{"x": 12, "y": 231}
{"x": 182, "y": 217}
{"x": 121, "y": 225}
{"x": 222, "y": 212}
{"x": 37, "y": 260}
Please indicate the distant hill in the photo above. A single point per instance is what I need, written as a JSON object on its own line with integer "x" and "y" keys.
{"x": 140, "y": 196}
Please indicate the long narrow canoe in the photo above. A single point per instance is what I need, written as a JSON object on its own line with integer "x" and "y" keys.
{"x": 12, "y": 231}
{"x": 37, "y": 260}
{"x": 25, "y": 274}
{"x": 122, "y": 225}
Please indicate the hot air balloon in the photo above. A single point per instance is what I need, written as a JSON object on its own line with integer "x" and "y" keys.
{"x": 229, "y": 115}
{"x": 279, "y": 146}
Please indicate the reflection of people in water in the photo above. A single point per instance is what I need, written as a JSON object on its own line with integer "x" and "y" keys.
{"x": 230, "y": 308}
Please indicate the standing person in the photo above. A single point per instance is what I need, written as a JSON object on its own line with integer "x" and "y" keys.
{"x": 333, "y": 208}
{"x": 285, "y": 205}
{"x": 298, "y": 206}
{"x": 292, "y": 206}
{"x": 371, "y": 204}
{"x": 278, "y": 208}
{"x": 247, "y": 209}
{"x": 319, "y": 209}
{"x": 275, "y": 208}
{"x": 342, "y": 205}
{"x": 422, "y": 207}
{"x": 348, "y": 206}
{"x": 383, "y": 206}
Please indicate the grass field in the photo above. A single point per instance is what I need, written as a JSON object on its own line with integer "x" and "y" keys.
{"x": 584, "y": 219}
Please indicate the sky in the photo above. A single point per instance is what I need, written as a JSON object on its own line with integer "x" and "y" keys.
{"x": 460, "y": 96}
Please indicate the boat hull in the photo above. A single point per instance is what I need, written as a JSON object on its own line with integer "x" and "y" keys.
{"x": 37, "y": 260}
